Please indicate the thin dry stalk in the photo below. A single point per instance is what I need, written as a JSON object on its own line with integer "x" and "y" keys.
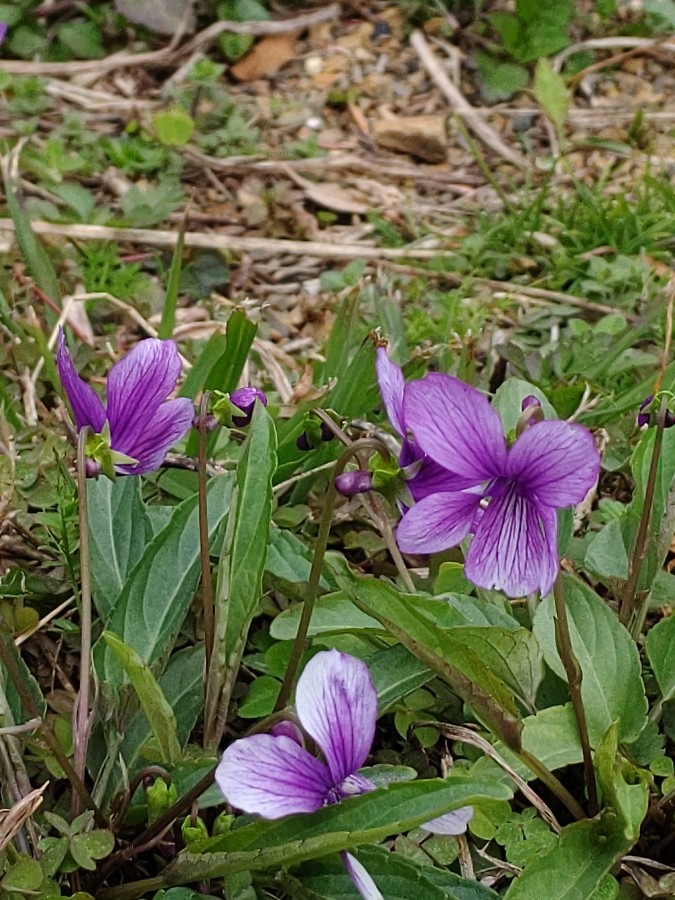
{"x": 461, "y": 105}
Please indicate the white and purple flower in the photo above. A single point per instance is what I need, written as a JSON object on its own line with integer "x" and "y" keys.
{"x": 272, "y": 775}
{"x": 506, "y": 497}
{"x": 141, "y": 423}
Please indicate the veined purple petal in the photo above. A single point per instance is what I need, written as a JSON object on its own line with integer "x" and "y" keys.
{"x": 137, "y": 386}
{"x": 392, "y": 386}
{"x": 272, "y": 776}
{"x": 167, "y": 425}
{"x": 358, "y": 873}
{"x": 455, "y": 425}
{"x": 514, "y": 546}
{"x": 454, "y": 822}
{"x": 336, "y": 703}
{"x": 244, "y": 399}
{"x": 430, "y": 478}
{"x": 555, "y": 463}
{"x": 437, "y": 522}
{"x": 86, "y": 405}
{"x": 287, "y": 729}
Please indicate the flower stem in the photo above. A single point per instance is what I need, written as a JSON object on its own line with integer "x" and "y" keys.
{"x": 207, "y": 587}
{"x": 563, "y": 642}
{"x": 633, "y": 609}
{"x": 317, "y": 563}
{"x": 82, "y": 721}
{"x": 29, "y": 704}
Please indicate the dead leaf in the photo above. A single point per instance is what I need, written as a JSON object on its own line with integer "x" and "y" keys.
{"x": 266, "y": 57}
{"x": 160, "y": 16}
{"x": 329, "y": 195}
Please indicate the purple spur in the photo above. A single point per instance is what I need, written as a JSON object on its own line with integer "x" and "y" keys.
{"x": 506, "y": 497}
{"x": 273, "y": 775}
{"x": 138, "y": 422}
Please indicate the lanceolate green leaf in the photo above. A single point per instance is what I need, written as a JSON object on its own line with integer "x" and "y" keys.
{"x": 624, "y": 786}
{"x": 159, "y": 590}
{"x": 397, "y": 878}
{"x": 240, "y": 571}
{"x": 153, "y": 702}
{"x": 118, "y": 530}
{"x": 582, "y": 858}
{"x": 612, "y": 687}
{"x": 661, "y": 654}
{"x": 361, "y": 820}
{"x": 460, "y": 666}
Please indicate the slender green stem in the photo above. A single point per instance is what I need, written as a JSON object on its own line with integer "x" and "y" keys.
{"x": 552, "y": 783}
{"x": 82, "y": 720}
{"x": 317, "y": 562}
{"x": 207, "y": 587}
{"x": 29, "y": 704}
{"x": 632, "y": 611}
{"x": 563, "y": 641}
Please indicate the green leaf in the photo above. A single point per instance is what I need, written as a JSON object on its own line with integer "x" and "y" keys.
{"x": 662, "y": 516}
{"x": 88, "y": 847}
{"x": 612, "y": 687}
{"x": 606, "y": 554}
{"x": 397, "y": 878}
{"x": 168, "y": 320}
{"x": 39, "y": 263}
{"x": 625, "y": 788}
{"x": 661, "y": 654}
{"x": 290, "y": 559}
{"x": 160, "y": 588}
{"x": 513, "y": 655}
{"x": 551, "y": 92}
{"x": 182, "y": 684}
{"x": 508, "y": 401}
{"x": 261, "y": 697}
{"x": 173, "y": 126}
{"x": 360, "y": 820}
{"x": 153, "y": 702}
{"x": 118, "y": 530}
{"x": 467, "y": 674}
{"x": 241, "y": 566}
{"x": 451, "y": 579}
{"x": 499, "y": 80}
{"x": 395, "y": 673}
{"x": 576, "y": 867}
{"x": 332, "y": 614}
{"x": 23, "y": 875}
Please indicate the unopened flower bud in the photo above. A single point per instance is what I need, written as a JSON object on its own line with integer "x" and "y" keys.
{"x": 210, "y": 422}
{"x": 193, "y": 830}
{"x": 287, "y": 729}
{"x": 314, "y": 434}
{"x": 647, "y": 410}
{"x": 222, "y": 824}
{"x": 531, "y": 413}
{"x": 92, "y": 469}
{"x": 244, "y": 400}
{"x": 530, "y": 401}
{"x": 356, "y": 482}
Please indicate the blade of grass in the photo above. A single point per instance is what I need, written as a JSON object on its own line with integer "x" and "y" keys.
{"x": 168, "y": 321}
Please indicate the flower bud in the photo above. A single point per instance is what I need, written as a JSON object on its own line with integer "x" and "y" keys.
{"x": 314, "y": 434}
{"x": 92, "y": 469}
{"x": 193, "y": 830}
{"x": 222, "y": 824}
{"x": 648, "y": 414}
{"x": 530, "y": 401}
{"x": 357, "y": 481}
{"x": 159, "y": 797}
{"x": 244, "y": 400}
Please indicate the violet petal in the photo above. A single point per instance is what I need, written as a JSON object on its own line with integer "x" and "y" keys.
{"x": 272, "y": 776}
{"x": 392, "y": 386}
{"x": 453, "y": 823}
{"x": 138, "y": 384}
{"x": 514, "y": 546}
{"x": 359, "y": 875}
{"x": 84, "y": 401}
{"x": 555, "y": 463}
{"x": 431, "y": 478}
{"x": 336, "y": 703}
{"x": 149, "y": 446}
{"x": 437, "y": 522}
{"x": 455, "y": 425}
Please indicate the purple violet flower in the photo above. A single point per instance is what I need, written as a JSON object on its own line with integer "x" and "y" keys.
{"x": 244, "y": 399}
{"x": 274, "y": 776}
{"x": 3, "y": 31}
{"x": 423, "y": 475}
{"x": 142, "y": 423}
{"x": 506, "y": 497}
